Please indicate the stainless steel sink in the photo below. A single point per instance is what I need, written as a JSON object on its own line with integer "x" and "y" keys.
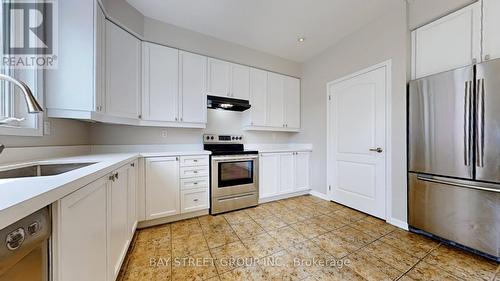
{"x": 41, "y": 170}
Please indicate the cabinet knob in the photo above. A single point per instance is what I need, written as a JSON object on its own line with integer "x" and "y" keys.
{"x": 133, "y": 164}
{"x": 140, "y": 116}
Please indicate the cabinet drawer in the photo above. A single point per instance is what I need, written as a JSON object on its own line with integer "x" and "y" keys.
{"x": 194, "y": 183}
{"x": 196, "y": 160}
{"x": 191, "y": 172}
{"x": 194, "y": 200}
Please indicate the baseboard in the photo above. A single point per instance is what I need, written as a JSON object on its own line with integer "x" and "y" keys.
{"x": 319, "y": 195}
{"x": 283, "y": 196}
{"x": 398, "y": 223}
{"x": 149, "y": 223}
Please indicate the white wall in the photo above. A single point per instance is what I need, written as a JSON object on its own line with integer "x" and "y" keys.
{"x": 170, "y": 35}
{"x": 387, "y": 38}
{"x": 424, "y": 11}
{"x": 63, "y": 132}
{"x": 219, "y": 122}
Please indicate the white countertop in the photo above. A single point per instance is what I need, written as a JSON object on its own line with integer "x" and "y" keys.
{"x": 20, "y": 197}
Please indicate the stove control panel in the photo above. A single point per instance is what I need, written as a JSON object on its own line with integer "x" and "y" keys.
{"x": 222, "y": 139}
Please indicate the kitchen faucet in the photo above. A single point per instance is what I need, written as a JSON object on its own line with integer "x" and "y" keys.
{"x": 31, "y": 102}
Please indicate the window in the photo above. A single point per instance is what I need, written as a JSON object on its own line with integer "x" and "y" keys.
{"x": 14, "y": 118}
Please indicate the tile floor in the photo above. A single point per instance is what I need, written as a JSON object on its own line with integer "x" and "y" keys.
{"x": 301, "y": 238}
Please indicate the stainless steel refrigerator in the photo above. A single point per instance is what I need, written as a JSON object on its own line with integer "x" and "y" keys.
{"x": 454, "y": 157}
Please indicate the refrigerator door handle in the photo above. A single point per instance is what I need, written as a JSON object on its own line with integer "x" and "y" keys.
{"x": 481, "y": 162}
{"x": 479, "y": 130}
{"x": 457, "y": 184}
{"x": 468, "y": 90}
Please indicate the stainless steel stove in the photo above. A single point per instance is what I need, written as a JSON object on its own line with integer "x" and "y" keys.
{"x": 234, "y": 173}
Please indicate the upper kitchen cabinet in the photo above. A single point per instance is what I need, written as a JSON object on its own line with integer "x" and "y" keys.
{"x": 193, "y": 89}
{"x": 76, "y": 89}
{"x": 275, "y": 101}
{"x": 491, "y": 29}
{"x": 160, "y": 95}
{"x": 174, "y": 87}
{"x": 292, "y": 102}
{"x": 450, "y": 42}
{"x": 123, "y": 76}
{"x": 257, "y": 114}
{"x": 227, "y": 79}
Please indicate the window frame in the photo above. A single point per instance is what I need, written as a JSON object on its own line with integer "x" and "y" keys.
{"x": 10, "y": 107}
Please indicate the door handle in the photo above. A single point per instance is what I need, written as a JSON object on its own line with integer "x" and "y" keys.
{"x": 378, "y": 150}
{"x": 457, "y": 184}
{"x": 480, "y": 123}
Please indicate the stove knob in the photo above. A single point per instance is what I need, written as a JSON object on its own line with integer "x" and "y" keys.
{"x": 208, "y": 137}
{"x": 232, "y": 138}
{"x": 212, "y": 138}
{"x": 241, "y": 138}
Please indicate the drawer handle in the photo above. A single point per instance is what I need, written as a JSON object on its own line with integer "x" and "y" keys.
{"x": 195, "y": 183}
{"x": 195, "y": 200}
{"x": 195, "y": 160}
{"x": 196, "y": 172}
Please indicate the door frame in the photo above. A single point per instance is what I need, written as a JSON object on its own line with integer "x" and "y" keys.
{"x": 388, "y": 142}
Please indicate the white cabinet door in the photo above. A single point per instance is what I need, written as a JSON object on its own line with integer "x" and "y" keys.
{"x": 193, "y": 87}
{"x": 132, "y": 197}
{"x": 118, "y": 220}
{"x": 219, "y": 73}
{"x": 451, "y": 42}
{"x": 275, "y": 88}
{"x": 286, "y": 173}
{"x": 81, "y": 234}
{"x": 123, "y": 65}
{"x": 258, "y": 97}
{"x": 162, "y": 187}
{"x": 240, "y": 82}
{"x": 491, "y": 29}
{"x": 292, "y": 102}
{"x": 301, "y": 167}
{"x": 100, "y": 62}
{"x": 269, "y": 179}
{"x": 160, "y": 83}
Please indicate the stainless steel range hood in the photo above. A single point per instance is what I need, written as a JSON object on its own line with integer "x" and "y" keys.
{"x": 227, "y": 103}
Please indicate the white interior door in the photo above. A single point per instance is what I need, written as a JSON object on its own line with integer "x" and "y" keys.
{"x": 357, "y": 128}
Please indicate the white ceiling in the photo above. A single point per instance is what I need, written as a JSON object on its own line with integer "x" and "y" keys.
{"x": 271, "y": 26}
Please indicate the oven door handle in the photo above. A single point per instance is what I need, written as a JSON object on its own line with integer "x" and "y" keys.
{"x": 233, "y": 158}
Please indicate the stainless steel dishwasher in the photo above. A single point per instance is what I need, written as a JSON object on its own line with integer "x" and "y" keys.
{"x": 25, "y": 248}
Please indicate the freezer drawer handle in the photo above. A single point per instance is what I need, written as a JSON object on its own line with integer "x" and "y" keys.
{"x": 457, "y": 184}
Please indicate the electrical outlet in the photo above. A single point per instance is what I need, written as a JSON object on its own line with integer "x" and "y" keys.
{"x": 46, "y": 128}
{"x": 163, "y": 133}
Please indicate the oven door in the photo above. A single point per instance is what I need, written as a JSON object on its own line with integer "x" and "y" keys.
{"x": 233, "y": 175}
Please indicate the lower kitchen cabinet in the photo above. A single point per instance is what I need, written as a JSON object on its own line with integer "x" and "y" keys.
{"x": 119, "y": 232}
{"x": 80, "y": 234}
{"x": 269, "y": 167}
{"x": 132, "y": 197}
{"x": 176, "y": 185}
{"x": 162, "y": 187}
{"x": 93, "y": 227}
{"x": 283, "y": 173}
